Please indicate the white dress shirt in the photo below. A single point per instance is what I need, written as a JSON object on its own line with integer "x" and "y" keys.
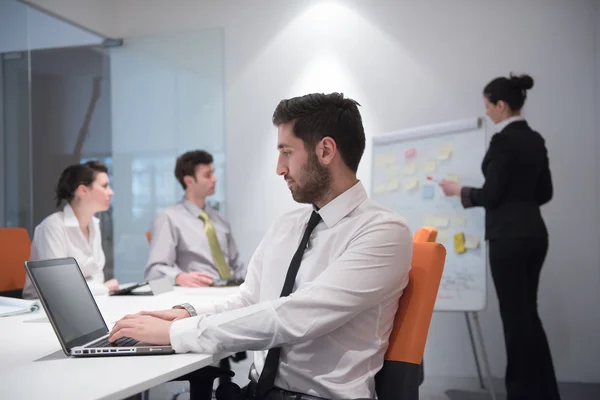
{"x": 58, "y": 236}
{"x": 503, "y": 124}
{"x": 334, "y": 327}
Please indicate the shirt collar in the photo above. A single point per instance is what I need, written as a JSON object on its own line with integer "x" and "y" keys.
{"x": 344, "y": 204}
{"x": 69, "y": 217}
{"x": 193, "y": 208}
{"x": 501, "y": 125}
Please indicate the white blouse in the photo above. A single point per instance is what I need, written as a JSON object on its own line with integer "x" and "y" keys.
{"x": 58, "y": 236}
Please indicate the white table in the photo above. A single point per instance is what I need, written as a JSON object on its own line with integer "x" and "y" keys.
{"x": 33, "y": 365}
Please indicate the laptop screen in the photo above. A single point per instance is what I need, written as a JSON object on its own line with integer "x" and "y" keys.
{"x": 67, "y": 301}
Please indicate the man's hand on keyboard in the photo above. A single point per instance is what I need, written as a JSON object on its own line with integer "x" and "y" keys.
{"x": 143, "y": 328}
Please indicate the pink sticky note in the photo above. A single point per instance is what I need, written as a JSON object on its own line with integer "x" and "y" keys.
{"x": 410, "y": 153}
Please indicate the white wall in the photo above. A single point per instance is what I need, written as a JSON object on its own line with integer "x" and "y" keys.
{"x": 24, "y": 28}
{"x": 412, "y": 63}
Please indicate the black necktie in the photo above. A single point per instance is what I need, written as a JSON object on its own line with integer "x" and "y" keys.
{"x": 269, "y": 372}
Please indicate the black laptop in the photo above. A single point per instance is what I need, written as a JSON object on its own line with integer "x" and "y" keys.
{"x": 74, "y": 314}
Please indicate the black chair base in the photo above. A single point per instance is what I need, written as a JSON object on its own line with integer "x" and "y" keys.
{"x": 17, "y": 294}
{"x": 202, "y": 381}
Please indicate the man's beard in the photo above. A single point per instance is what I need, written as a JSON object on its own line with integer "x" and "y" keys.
{"x": 314, "y": 183}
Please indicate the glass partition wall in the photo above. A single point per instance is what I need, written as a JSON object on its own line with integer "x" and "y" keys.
{"x": 67, "y": 96}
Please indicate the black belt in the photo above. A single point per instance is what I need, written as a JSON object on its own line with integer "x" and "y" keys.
{"x": 276, "y": 393}
{"x": 281, "y": 394}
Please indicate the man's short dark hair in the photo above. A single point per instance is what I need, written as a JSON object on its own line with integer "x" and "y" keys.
{"x": 319, "y": 115}
{"x": 186, "y": 164}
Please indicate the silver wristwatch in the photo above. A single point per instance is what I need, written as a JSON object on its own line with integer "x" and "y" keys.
{"x": 189, "y": 308}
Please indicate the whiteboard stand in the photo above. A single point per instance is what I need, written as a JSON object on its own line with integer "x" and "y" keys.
{"x": 486, "y": 362}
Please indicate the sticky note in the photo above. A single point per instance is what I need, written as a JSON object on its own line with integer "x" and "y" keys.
{"x": 459, "y": 243}
{"x": 442, "y": 236}
{"x": 471, "y": 242}
{"x": 410, "y": 153}
{"x": 380, "y": 160}
{"x": 429, "y": 220}
{"x": 430, "y": 166}
{"x": 442, "y": 221}
{"x": 392, "y": 185}
{"x": 452, "y": 177}
{"x": 428, "y": 192}
{"x": 445, "y": 151}
{"x": 379, "y": 188}
{"x": 459, "y": 220}
{"x": 409, "y": 168}
{"x": 412, "y": 184}
{"x": 392, "y": 171}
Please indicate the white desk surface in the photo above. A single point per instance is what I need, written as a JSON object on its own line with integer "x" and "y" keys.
{"x": 33, "y": 365}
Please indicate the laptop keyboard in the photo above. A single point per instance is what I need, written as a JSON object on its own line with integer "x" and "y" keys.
{"x": 122, "y": 342}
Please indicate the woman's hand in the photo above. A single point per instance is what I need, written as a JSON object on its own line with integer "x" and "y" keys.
{"x": 450, "y": 188}
{"x": 112, "y": 285}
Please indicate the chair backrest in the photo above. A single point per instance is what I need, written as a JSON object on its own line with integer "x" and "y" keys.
{"x": 399, "y": 377}
{"x": 148, "y": 236}
{"x": 425, "y": 234}
{"x": 15, "y": 248}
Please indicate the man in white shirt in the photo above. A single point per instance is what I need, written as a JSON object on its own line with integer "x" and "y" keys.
{"x": 328, "y": 338}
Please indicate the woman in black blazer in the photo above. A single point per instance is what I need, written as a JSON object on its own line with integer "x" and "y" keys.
{"x": 517, "y": 183}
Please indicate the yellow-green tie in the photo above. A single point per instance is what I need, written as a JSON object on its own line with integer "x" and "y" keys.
{"x": 215, "y": 248}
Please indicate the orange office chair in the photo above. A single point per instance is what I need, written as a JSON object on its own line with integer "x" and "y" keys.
{"x": 399, "y": 377}
{"x": 425, "y": 234}
{"x": 15, "y": 248}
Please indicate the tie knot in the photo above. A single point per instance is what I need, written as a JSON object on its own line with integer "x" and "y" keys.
{"x": 203, "y": 216}
{"x": 314, "y": 220}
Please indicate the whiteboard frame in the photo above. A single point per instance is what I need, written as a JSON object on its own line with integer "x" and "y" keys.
{"x": 441, "y": 129}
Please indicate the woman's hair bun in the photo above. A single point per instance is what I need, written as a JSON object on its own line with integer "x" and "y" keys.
{"x": 524, "y": 82}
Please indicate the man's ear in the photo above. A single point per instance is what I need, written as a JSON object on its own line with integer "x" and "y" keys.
{"x": 188, "y": 180}
{"x": 326, "y": 150}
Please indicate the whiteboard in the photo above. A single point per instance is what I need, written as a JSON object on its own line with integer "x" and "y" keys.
{"x": 401, "y": 164}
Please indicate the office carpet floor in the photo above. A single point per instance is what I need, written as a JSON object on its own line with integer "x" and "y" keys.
{"x": 434, "y": 388}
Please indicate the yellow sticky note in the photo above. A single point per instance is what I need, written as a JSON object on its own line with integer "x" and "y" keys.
{"x": 471, "y": 242}
{"x": 430, "y": 166}
{"x": 380, "y": 160}
{"x": 409, "y": 168}
{"x": 442, "y": 221}
{"x": 459, "y": 220}
{"x": 392, "y": 171}
{"x": 429, "y": 220}
{"x": 392, "y": 185}
{"x": 412, "y": 184}
{"x": 445, "y": 151}
{"x": 459, "y": 243}
{"x": 442, "y": 236}
{"x": 452, "y": 177}
{"x": 379, "y": 188}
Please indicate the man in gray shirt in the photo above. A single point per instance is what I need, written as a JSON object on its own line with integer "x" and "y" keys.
{"x": 191, "y": 243}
